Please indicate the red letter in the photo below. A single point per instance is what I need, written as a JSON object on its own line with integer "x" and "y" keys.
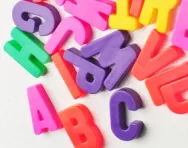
{"x": 155, "y": 83}
{"x": 68, "y": 74}
{"x": 78, "y": 123}
{"x": 149, "y": 61}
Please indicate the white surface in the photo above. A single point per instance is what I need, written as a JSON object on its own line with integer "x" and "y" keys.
{"x": 163, "y": 128}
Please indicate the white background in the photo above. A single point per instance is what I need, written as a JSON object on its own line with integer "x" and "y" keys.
{"x": 164, "y": 129}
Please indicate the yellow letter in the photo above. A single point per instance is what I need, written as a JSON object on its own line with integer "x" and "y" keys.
{"x": 122, "y": 20}
{"x": 162, "y": 9}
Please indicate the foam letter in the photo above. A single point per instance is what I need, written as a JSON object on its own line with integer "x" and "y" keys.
{"x": 122, "y": 19}
{"x": 23, "y": 9}
{"x": 81, "y": 30}
{"x": 120, "y": 99}
{"x": 172, "y": 94}
{"x": 90, "y": 77}
{"x": 68, "y": 74}
{"x": 155, "y": 83}
{"x": 94, "y": 12}
{"x": 113, "y": 52}
{"x": 78, "y": 122}
{"x": 136, "y": 7}
{"x": 150, "y": 60}
{"x": 28, "y": 52}
{"x": 180, "y": 35}
{"x": 43, "y": 113}
{"x": 162, "y": 9}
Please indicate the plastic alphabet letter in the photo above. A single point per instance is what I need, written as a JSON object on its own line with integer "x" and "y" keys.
{"x": 90, "y": 77}
{"x": 123, "y": 62}
{"x": 180, "y": 35}
{"x": 113, "y": 52}
{"x": 122, "y": 19}
{"x": 94, "y": 12}
{"x": 68, "y": 74}
{"x": 150, "y": 60}
{"x": 162, "y": 9}
{"x": 155, "y": 83}
{"x": 23, "y": 9}
{"x": 28, "y": 51}
{"x": 172, "y": 94}
{"x": 136, "y": 7}
{"x": 43, "y": 113}
{"x": 120, "y": 99}
{"x": 81, "y": 30}
{"x": 79, "y": 124}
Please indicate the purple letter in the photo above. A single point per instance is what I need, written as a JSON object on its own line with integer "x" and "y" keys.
{"x": 90, "y": 77}
{"x": 120, "y": 99}
{"x": 113, "y": 52}
{"x": 23, "y": 9}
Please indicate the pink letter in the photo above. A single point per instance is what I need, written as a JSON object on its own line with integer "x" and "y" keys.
{"x": 43, "y": 113}
{"x": 94, "y": 12}
{"x": 81, "y": 30}
{"x": 180, "y": 35}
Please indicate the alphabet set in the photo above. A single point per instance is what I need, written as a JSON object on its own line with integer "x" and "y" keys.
{"x": 102, "y": 63}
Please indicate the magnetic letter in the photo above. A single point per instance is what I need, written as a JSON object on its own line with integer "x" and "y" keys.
{"x": 150, "y": 60}
{"x": 136, "y": 7}
{"x": 68, "y": 74}
{"x": 79, "y": 124}
{"x": 119, "y": 101}
{"x": 112, "y": 51}
{"x": 43, "y": 113}
{"x": 162, "y": 9}
{"x": 28, "y": 52}
{"x": 94, "y": 12}
{"x": 81, "y": 30}
{"x": 180, "y": 35}
{"x": 90, "y": 77}
{"x": 122, "y": 19}
{"x": 172, "y": 94}
{"x": 155, "y": 83}
{"x": 23, "y": 9}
